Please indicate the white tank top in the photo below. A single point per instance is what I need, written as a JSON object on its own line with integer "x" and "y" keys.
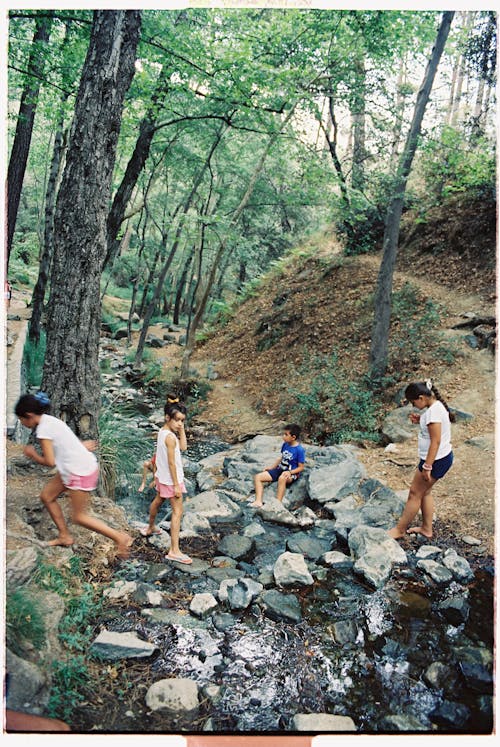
{"x": 162, "y": 469}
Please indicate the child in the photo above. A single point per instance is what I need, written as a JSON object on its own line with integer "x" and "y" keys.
{"x": 77, "y": 471}
{"x": 434, "y": 451}
{"x": 169, "y": 477}
{"x": 286, "y": 469}
{"x": 148, "y": 466}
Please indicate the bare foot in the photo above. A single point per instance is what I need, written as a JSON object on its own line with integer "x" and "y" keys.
{"x": 418, "y": 530}
{"x": 256, "y": 505}
{"x": 140, "y": 488}
{"x": 123, "y": 545}
{"x": 395, "y": 533}
{"x": 64, "y": 540}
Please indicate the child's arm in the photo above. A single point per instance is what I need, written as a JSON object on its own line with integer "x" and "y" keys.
{"x": 47, "y": 457}
{"x": 435, "y": 435}
{"x": 182, "y": 438}
{"x": 170, "y": 444}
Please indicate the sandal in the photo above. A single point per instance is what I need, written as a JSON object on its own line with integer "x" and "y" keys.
{"x": 179, "y": 558}
{"x": 145, "y": 533}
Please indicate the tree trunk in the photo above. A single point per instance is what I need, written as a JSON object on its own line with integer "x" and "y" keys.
{"x": 25, "y": 120}
{"x": 37, "y": 300}
{"x": 399, "y": 114}
{"x": 180, "y": 288}
{"x": 383, "y": 293}
{"x": 71, "y": 369}
{"x": 358, "y": 116}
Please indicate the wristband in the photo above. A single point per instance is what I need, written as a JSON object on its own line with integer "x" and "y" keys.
{"x": 427, "y": 467}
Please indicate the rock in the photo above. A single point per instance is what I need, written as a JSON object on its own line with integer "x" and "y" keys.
{"x": 428, "y": 551}
{"x": 193, "y": 525}
{"x": 304, "y": 544}
{"x": 224, "y": 573}
{"x": 322, "y": 722}
{"x": 239, "y": 593}
{"x": 280, "y": 606}
{"x": 197, "y": 568}
{"x": 253, "y": 530}
{"x": 469, "y": 540}
{"x": 295, "y": 494}
{"x": 345, "y": 631}
{"x": 458, "y": 565}
{"x": 28, "y": 686}
{"x": 177, "y": 618}
{"x": 213, "y": 506}
{"x": 110, "y": 645}
{"x": 178, "y": 696}
{"x": 363, "y": 539}
{"x": 452, "y": 716}
{"x": 306, "y": 518}
{"x": 440, "y": 676}
{"x": 290, "y": 568}
{"x": 223, "y": 621}
{"x": 146, "y": 594}
{"x": 336, "y": 559}
{"x": 203, "y": 604}
{"x": 396, "y": 427}
{"x": 20, "y": 564}
{"x": 455, "y": 610}
{"x": 120, "y": 590}
{"x": 375, "y": 568}
{"x": 334, "y": 482}
{"x": 157, "y": 571}
{"x": 436, "y": 571}
{"x": 402, "y": 722}
{"x": 461, "y": 415}
{"x": 477, "y": 677}
{"x": 236, "y": 546}
{"x": 275, "y": 512}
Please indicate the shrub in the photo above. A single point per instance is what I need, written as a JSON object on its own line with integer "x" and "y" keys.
{"x": 33, "y": 358}
{"x": 23, "y": 621}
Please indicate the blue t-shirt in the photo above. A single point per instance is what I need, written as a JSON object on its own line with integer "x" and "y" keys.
{"x": 292, "y": 456}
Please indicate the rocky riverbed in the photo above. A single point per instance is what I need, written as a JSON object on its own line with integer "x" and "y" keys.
{"x": 301, "y": 616}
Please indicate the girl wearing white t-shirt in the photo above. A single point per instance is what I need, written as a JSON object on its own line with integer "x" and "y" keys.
{"x": 435, "y": 454}
{"x": 169, "y": 476}
{"x": 77, "y": 471}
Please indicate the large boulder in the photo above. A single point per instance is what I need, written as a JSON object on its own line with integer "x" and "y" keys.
{"x": 278, "y": 606}
{"x": 397, "y": 427}
{"x": 374, "y": 553}
{"x": 334, "y": 482}
{"x": 214, "y": 506}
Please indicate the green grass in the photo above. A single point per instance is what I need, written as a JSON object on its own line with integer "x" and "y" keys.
{"x": 23, "y": 621}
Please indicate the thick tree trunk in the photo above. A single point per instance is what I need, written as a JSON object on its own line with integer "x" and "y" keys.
{"x": 25, "y": 120}
{"x": 71, "y": 369}
{"x": 382, "y": 315}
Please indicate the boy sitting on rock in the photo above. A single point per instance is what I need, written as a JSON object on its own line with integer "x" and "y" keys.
{"x": 287, "y": 468}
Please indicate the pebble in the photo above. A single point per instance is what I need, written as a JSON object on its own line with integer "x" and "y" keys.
{"x": 469, "y": 540}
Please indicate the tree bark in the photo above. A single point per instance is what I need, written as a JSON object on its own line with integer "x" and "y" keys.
{"x": 38, "y": 297}
{"x": 71, "y": 369}
{"x": 180, "y": 288}
{"x": 358, "y": 117}
{"x": 383, "y": 293}
{"x": 24, "y": 127}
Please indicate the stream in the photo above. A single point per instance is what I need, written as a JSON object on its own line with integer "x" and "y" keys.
{"x": 411, "y": 656}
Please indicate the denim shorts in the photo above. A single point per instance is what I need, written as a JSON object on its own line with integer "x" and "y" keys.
{"x": 440, "y": 466}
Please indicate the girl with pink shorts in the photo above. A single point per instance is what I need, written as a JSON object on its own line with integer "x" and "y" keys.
{"x": 169, "y": 476}
{"x": 77, "y": 471}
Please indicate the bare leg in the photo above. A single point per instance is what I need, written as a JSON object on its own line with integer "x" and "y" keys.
{"x": 427, "y": 516}
{"x": 146, "y": 467}
{"x": 175, "y": 525}
{"x": 79, "y": 504}
{"x": 49, "y": 496}
{"x": 155, "y": 506}
{"x": 419, "y": 488}
{"x": 283, "y": 481}
{"x": 259, "y": 481}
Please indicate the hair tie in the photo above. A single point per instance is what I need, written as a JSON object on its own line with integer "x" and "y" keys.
{"x": 172, "y": 401}
{"x": 428, "y": 384}
{"x": 42, "y": 398}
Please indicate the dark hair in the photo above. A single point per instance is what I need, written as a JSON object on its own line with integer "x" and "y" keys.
{"x": 427, "y": 389}
{"x": 173, "y": 405}
{"x": 36, "y": 403}
{"x": 293, "y": 429}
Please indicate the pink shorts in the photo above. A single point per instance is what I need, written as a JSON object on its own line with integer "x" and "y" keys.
{"x": 83, "y": 482}
{"x": 167, "y": 491}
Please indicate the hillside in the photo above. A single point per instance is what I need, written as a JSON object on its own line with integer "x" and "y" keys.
{"x": 319, "y": 301}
